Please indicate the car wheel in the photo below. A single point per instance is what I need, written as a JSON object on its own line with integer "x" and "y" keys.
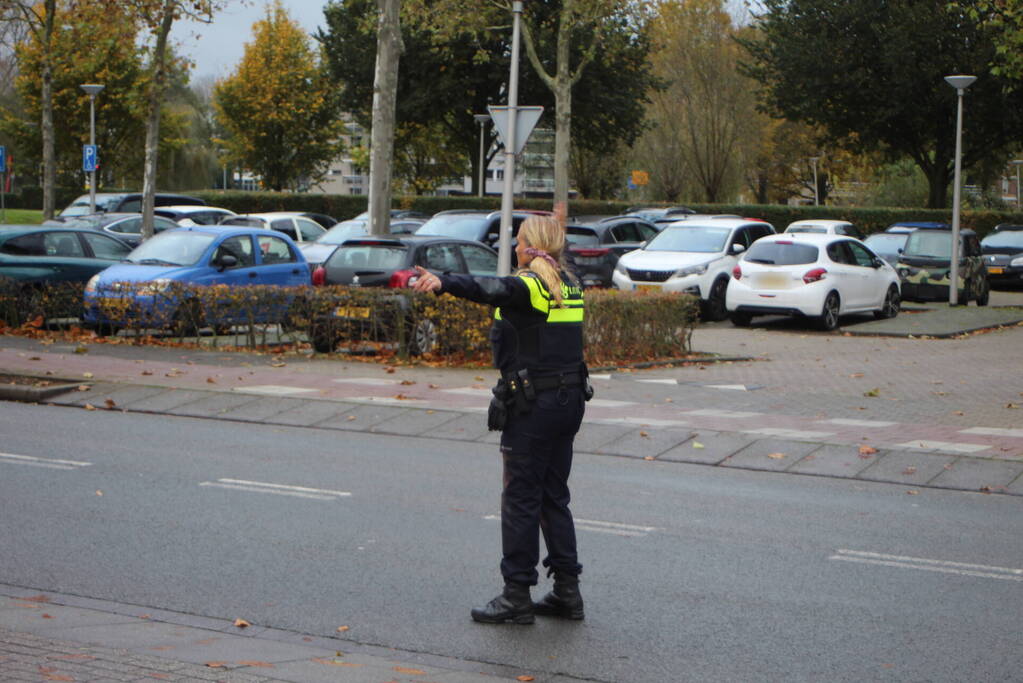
{"x": 714, "y": 309}
{"x": 322, "y": 340}
{"x": 422, "y": 337}
{"x": 828, "y": 320}
{"x": 187, "y": 319}
{"x": 741, "y": 319}
{"x": 890, "y": 307}
{"x": 985, "y": 294}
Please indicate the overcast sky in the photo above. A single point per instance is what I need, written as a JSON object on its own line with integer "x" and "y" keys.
{"x": 217, "y": 48}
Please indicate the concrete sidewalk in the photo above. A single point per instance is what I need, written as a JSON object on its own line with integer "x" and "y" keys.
{"x": 53, "y": 637}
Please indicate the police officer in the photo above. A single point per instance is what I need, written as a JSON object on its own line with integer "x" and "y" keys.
{"x": 537, "y": 341}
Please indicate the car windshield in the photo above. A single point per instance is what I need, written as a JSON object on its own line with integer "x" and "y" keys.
{"x": 172, "y": 248}
{"x": 244, "y": 221}
{"x": 375, "y": 256}
{"x": 345, "y": 230}
{"x": 690, "y": 238}
{"x": 935, "y": 244}
{"x": 781, "y": 253}
{"x": 806, "y": 228}
{"x": 90, "y": 221}
{"x": 581, "y": 237}
{"x": 462, "y": 227}
{"x": 886, "y": 241}
{"x": 1004, "y": 239}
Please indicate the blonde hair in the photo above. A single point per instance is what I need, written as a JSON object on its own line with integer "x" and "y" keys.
{"x": 546, "y": 234}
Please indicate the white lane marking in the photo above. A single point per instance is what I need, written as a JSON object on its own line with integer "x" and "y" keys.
{"x": 929, "y": 565}
{"x": 658, "y": 381}
{"x": 945, "y": 446}
{"x": 729, "y": 387}
{"x": 789, "y": 433}
{"x": 390, "y": 400}
{"x": 50, "y": 463}
{"x": 608, "y": 403}
{"x": 600, "y": 376}
{"x": 993, "y": 431}
{"x": 615, "y": 528}
{"x": 858, "y": 423}
{"x": 642, "y": 421}
{"x": 277, "y": 489}
{"x": 375, "y": 381}
{"x": 711, "y": 412}
{"x": 272, "y": 389}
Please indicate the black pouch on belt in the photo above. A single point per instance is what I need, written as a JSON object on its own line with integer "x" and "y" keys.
{"x": 497, "y": 413}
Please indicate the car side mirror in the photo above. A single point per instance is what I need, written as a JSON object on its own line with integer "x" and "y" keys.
{"x": 738, "y": 248}
{"x": 225, "y": 261}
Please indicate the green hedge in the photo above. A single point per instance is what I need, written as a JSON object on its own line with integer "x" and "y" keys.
{"x": 620, "y": 326}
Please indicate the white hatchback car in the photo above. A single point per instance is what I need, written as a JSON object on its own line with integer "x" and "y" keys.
{"x": 820, "y": 276}
{"x": 825, "y": 225}
{"x": 692, "y": 256}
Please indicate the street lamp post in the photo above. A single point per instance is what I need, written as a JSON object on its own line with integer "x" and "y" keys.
{"x": 1017, "y": 163}
{"x": 507, "y": 196}
{"x": 816, "y": 194}
{"x": 482, "y": 120}
{"x": 960, "y": 83}
{"x": 92, "y": 89}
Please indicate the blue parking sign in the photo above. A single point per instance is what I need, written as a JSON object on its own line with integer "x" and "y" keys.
{"x": 90, "y": 158}
{"x": 3, "y": 159}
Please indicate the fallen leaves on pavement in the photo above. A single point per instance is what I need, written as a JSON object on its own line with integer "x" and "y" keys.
{"x": 241, "y": 623}
{"x": 776, "y": 456}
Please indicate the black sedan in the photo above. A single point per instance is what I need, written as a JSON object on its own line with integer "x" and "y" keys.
{"x": 389, "y": 262}
{"x": 595, "y": 243}
{"x": 1003, "y": 254}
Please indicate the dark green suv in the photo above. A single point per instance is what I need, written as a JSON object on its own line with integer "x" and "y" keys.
{"x": 925, "y": 267}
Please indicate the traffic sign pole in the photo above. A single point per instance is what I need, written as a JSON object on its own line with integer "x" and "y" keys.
{"x": 504, "y": 243}
{"x": 3, "y": 184}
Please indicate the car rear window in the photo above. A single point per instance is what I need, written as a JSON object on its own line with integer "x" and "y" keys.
{"x": 806, "y": 228}
{"x": 243, "y": 221}
{"x": 378, "y": 257}
{"x": 929, "y": 244}
{"x": 886, "y": 240}
{"x": 581, "y": 237}
{"x": 462, "y": 227}
{"x": 1004, "y": 239}
{"x": 781, "y": 253}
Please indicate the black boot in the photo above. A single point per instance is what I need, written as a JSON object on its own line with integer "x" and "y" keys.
{"x": 512, "y": 606}
{"x": 564, "y": 601}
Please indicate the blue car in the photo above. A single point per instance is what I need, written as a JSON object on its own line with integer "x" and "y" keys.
{"x": 183, "y": 279}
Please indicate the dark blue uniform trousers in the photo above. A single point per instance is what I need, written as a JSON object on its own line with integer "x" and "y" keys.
{"x": 537, "y": 452}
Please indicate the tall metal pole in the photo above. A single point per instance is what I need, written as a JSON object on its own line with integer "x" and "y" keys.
{"x": 482, "y": 120}
{"x": 92, "y": 89}
{"x": 1017, "y": 163}
{"x": 816, "y": 195}
{"x": 504, "y": 243}
{"x": 960, "y": 83}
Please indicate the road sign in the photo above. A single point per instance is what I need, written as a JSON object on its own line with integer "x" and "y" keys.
{"x": 640, "y": 178}
{"x": 90, "y": 158}
{"x": 525, "y": 121}
{"x": 3, "y": 159}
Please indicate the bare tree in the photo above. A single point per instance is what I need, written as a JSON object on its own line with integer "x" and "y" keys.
{"x": 159, "y": 16}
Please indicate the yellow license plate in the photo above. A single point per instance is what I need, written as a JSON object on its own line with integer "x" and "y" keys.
{"x": 352, "y": 311}
{"x": 995, "y": 270}
{"x": 648, "y": 288}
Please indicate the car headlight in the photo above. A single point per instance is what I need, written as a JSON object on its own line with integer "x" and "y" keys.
{"x": 90, "y": 286}
{"x": 620, "y": 268}
{"x": 692, "y": 270}
{"x": 154, "y": 286}
{"x": 1016, "y": 261}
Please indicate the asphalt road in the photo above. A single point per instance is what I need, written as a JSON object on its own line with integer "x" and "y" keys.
{"x": 691, "y": 573}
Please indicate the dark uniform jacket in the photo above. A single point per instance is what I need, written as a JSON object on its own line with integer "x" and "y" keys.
{"x": 529, "y": 330}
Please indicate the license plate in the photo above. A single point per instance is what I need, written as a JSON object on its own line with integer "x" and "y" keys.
{"x": 995, "y": 270}
{"x": 587, "y": 260}
{"x": 773, "y": 281}
{"x": 352, "y": 311}
{"x": 648, "y": 288}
